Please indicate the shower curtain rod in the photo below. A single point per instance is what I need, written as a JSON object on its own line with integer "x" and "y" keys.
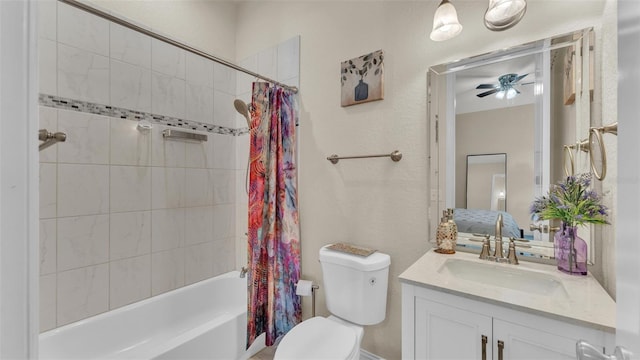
{"x": 119, "y": 21}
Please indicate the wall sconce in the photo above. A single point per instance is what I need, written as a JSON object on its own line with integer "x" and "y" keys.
{"x": 598, "y": 156}
{"x": 504, "y": 14}
{"x": 445, "y": 22}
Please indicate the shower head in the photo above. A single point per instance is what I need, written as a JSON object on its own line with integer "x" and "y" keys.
{"x": 243, "y": 109}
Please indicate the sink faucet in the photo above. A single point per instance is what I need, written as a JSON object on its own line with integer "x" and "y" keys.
{"x": 498, "y": 254}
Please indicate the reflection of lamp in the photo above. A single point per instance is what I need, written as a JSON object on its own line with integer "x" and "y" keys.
{"x": 445, "y": 22}
{"x": 504, "y": 14}
{"x": 501, "y": 195}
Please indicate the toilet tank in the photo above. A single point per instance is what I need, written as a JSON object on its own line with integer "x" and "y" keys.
{"x": 355, "y": 287}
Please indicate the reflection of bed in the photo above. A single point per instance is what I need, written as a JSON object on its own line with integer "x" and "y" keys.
{"x": 482, "y": 221}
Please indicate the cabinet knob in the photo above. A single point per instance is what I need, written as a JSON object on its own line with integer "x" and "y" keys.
{"x": 500, "y": 350}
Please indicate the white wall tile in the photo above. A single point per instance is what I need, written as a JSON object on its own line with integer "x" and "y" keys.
{"x": 82, "y": 30}
{"x": 198, "y": 262}
{"x": 224, "y": 256}
{"x": 168, "y": 59}
{"x": 197, "y": 153}
{"x": 224, "y": 186}
{"x": 82, "y": 241}
{"x": 83, "y": 75}
{"x": 130, "y": 46}
{"x": 128, "y": 145}
{"x": 82, "y": 293}
{"x": 83, "y": 189}
{"x": 167, "y": 271}
{"x": 244, "y": 81}
{"x": 48, "y": 190}
{"x": 199, "y": 187}
{"x": 242, "y": 151}
{"x": 87, "y": 138}
{"x": 130, "y": 234}
{"x": 224, "y": 114}
{"x": 199, "y": 103}
{"x": 199, "y": 70}
{"x": 198, "y": 225}
{"x": 168, "y": 95}
{"x": 130, "y": 86}
{"x": 224, "y": 78}
{"x": 167, "y": 188}
{"x": 130, "y": 280}
{"x": 224, "y": 221}
{"x": 47, "y": 19}
{"x": 130, "y": 188}
{"x": 223, "y": 152}
{"x": 166, "y": 152}
{"x": 268, "y": 62}
{"x": 47, "y": 67}
{"x": 48, "y": 240}
{"x": 289, "y": 59}
{"x": 48, "y": 118}
{"x": 167, "y": 229}
{"x": 47, "y": 302}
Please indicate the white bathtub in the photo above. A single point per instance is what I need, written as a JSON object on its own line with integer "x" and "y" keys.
{"x": 205, "y": 320}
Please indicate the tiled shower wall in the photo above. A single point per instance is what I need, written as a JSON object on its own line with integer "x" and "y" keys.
{"x": 125, "y": 214}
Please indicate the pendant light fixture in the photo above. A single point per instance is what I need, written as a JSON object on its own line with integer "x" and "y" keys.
{"x": 445, "y": 22}
{"x": 504, "y": 14}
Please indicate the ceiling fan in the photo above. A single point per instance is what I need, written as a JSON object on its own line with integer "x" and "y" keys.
{"x": 505, "y": 86}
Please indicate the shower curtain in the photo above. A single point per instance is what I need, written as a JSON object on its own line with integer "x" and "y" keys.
{"x": 273, "y": 237}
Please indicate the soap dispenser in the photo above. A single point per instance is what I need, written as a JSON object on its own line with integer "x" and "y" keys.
{"x": 447, "y": 234}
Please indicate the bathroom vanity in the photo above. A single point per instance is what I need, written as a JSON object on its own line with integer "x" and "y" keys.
{"x": 460, "y": 307}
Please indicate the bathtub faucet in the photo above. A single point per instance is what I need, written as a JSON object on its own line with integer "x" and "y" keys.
{"x": 243, "y": 272}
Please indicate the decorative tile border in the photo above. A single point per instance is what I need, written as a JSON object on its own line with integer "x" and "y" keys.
{"x": 111, "y": 111}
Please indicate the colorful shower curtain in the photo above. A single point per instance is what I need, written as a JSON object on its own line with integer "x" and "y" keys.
{"x": 274, "y": 232}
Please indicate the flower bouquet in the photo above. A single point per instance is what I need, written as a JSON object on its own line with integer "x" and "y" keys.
{"x": 572, "y": 202}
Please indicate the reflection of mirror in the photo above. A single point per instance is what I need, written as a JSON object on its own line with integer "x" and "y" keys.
{"x": 486, "y": 182}
{"x": 525, "y": 102}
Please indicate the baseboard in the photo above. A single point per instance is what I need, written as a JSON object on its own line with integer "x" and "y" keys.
{"x": 365, "y": 355}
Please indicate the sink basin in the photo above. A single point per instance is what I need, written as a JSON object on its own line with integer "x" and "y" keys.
{"x": 504, "y": 276}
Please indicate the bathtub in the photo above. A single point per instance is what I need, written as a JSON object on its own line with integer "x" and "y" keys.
{"x": 205, "y": 320}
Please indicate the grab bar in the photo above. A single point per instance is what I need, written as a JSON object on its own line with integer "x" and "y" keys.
{"x": 395, "y": 156}
{"x": 50, "y": 138}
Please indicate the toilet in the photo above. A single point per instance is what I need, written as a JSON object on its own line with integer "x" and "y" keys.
{"x": 355, "y": 289}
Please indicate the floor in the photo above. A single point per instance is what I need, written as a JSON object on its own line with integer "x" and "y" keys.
{"x": 264, "y": 354}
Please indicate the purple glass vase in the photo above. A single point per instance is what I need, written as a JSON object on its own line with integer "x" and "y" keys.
{"x": 570, "y": 251}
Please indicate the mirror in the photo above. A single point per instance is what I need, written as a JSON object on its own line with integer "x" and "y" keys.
{"x": 525, "y": 103}
{"x": 487, "y": 182}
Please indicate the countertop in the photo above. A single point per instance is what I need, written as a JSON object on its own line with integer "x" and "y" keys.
{"x": 582, "y": 301}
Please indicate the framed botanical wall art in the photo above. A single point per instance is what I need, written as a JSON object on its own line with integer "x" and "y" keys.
{"x": 362, "y": 79}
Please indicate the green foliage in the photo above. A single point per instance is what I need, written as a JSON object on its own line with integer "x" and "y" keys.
{"x": 572, "y": 202}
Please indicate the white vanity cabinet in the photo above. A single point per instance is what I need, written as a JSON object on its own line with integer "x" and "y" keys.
{"x": 441, "y": 325}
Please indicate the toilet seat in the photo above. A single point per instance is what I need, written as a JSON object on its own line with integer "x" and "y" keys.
{"x": 318, "y": 338}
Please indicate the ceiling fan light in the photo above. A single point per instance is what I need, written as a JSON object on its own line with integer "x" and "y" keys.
{"x": 445, "y": 22}
{"x": 511, "y": 93}
{"x": 500, "y": 94}
{"x": 504, "y": 14}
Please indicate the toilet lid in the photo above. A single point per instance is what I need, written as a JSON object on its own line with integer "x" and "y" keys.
{"x": 317, "y": 338}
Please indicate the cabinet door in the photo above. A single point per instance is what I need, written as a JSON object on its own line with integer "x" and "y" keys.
{"x": 446, "y": 332}
{"x": 523, "y": 342}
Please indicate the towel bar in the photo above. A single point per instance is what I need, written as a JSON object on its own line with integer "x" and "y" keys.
{"x": 395, "y": 156}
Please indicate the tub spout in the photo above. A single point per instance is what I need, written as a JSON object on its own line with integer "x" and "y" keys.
{"x": 243, "y": 272}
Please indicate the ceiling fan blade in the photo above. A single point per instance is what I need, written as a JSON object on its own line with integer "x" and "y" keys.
{"x": 520, "y": 78}
{"x": 486, "y": 93}
{"x": 487, "y": 86}
{"x": 517, "y": 92}
{"x": 528, "y": 83}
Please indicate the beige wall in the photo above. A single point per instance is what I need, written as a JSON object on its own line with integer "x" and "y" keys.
{"x": 376, "y": 202}
{"x": 475, "y": 134}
